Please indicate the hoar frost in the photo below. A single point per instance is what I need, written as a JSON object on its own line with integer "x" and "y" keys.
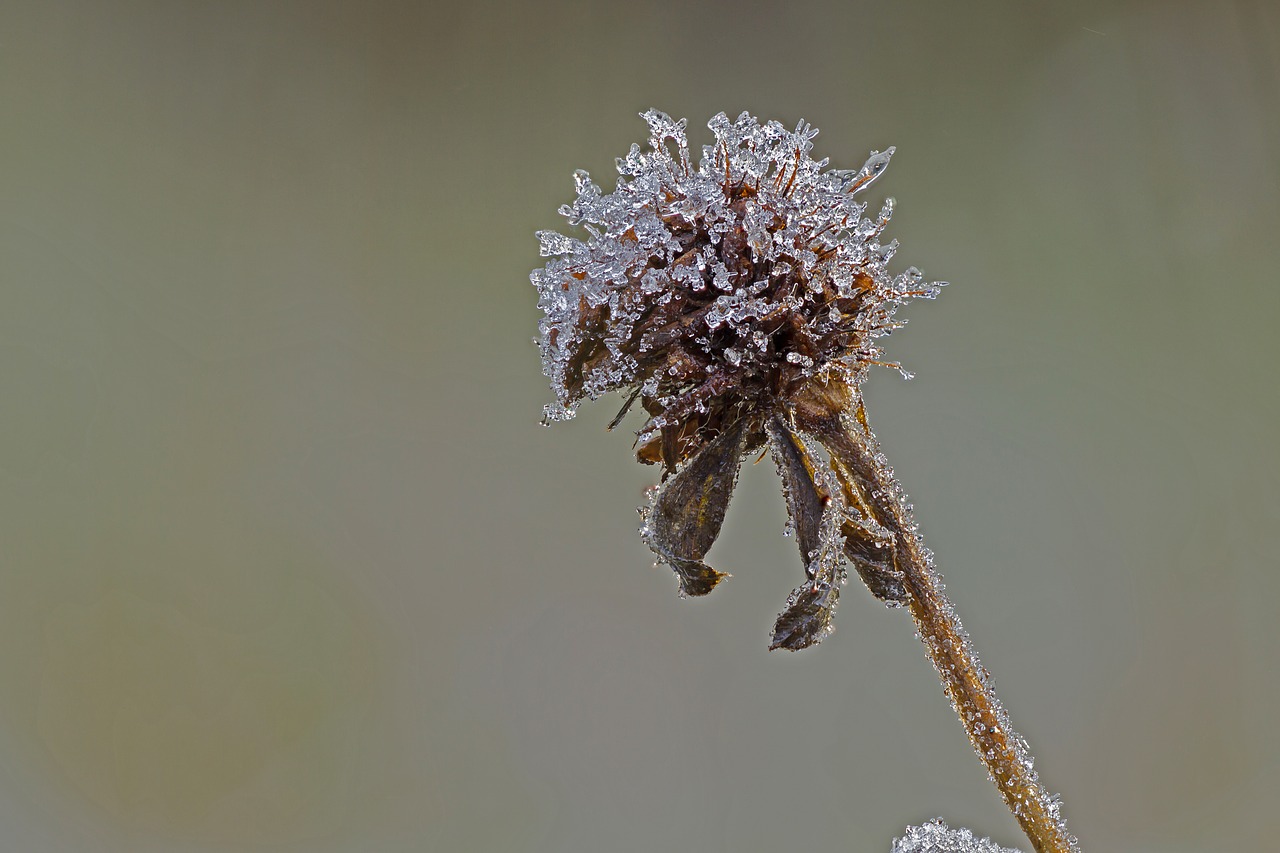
{"x": 738, "y": 300}
{"x": 936, "y": 837}
{"x": 757, "y": 249}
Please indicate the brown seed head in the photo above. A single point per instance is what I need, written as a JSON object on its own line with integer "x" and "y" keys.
{"x": 724, "y": 297}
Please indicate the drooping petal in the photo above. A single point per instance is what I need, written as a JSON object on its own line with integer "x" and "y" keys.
{"x": 805, "y": 501}
{"x": 872, "y": 558}
{"x": 868, "y": 544}
{"x": 684, "y": 518}
{"x": 817, "y": 513}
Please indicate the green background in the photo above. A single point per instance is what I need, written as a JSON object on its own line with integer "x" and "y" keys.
{"x": 288, "y": 564}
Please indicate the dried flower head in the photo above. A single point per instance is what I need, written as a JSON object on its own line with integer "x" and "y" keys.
{"x": 727, "y": 298}
{"x": 740, "y": 302}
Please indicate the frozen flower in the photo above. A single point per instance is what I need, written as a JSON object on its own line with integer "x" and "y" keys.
{"x": 738, "y": 299}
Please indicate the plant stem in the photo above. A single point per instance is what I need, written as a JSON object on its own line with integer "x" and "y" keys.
{"x": 1002, "y": 750}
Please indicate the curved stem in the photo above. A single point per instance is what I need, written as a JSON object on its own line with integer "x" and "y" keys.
{"x": 967, "y": 683}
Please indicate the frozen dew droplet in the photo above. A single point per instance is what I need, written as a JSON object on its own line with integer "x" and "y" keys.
{"x": 720, "y": 277}
{"x": 872, "y": 169}
{"x": 582, "y": 182}
{"x": 910, "y": 278}
{"x": 632, "y": 163}
{"x": 885, "y": 253}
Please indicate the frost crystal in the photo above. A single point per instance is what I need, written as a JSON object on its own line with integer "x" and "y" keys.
{"x": 757, "y": 259}
{"x": 936, "y": 837}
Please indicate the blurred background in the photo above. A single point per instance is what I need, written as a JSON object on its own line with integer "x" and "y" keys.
{"x": 287, "y": 562}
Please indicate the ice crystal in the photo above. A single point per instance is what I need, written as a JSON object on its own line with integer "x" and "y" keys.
{"x": 758, "y": 237}
{"x": 936, "y": 837}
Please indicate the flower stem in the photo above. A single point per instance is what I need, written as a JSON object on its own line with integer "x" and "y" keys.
{"x": 1002, "y": 750}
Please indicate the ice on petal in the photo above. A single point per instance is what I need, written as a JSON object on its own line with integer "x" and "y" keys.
{"x": 662, "y": 126}
{"x": 816, "y": 514}
{"x": 932, "y": 290}
{"x": 909, "y": 278}
{"x": 633, "y": 163}
{"x": 872, "y": 169}
{"x": 884, "y": 254}
{"x": 555, "y": 243}
{"x": 720, "y": 125}
{"x": 583, "y": 184}
{"x": 720, "y": 277}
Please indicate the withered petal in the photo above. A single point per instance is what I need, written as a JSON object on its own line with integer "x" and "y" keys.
{"x": 874, "y": 563}
{"x": 808, "y": 616}
{"x": 696, "y": 577}
{"x": 685, "y": 517}
{"x": 871, "y": 555}
{"x": 805, "y": 501}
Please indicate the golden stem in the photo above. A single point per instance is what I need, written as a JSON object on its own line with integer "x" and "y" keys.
{"x": 967, "y": 683}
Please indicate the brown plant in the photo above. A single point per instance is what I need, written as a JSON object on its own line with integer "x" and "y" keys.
{"x": 739, "y": 302}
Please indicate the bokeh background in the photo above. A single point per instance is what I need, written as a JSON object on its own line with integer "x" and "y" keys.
{"x": 288, "y": 564}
